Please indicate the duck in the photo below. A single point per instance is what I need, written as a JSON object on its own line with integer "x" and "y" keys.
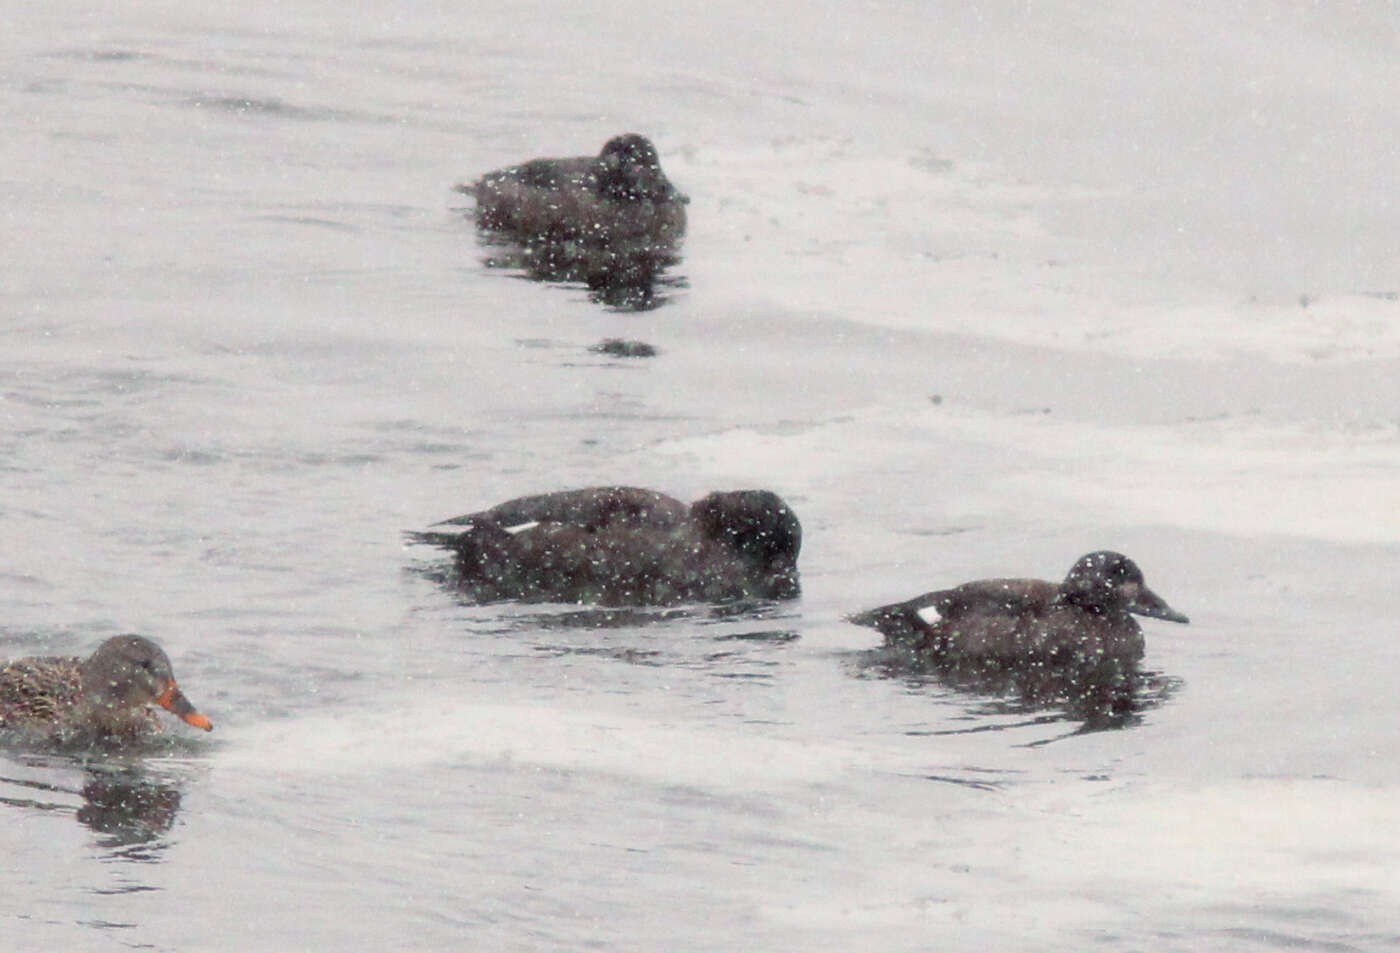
{"x": 626, "y": 546}
{"x": 1017, "y": 623}
{"x": 105, "y": 695}
{"x": 608, "y": 218}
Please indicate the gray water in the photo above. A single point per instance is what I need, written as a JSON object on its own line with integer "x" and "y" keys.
{"x": 976, "y": 292}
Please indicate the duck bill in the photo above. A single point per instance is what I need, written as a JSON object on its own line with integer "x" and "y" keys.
{"x": 1148, "y": 603}
{"x": 174, "y": 701}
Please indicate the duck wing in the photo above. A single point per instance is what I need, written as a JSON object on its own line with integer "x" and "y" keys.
{"x": 1010, "y": 599}
{"x": 1000, "y": 597}
{"x": 592, "y": 509}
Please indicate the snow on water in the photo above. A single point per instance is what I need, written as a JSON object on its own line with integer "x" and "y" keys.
{"x": 976, "y": 289}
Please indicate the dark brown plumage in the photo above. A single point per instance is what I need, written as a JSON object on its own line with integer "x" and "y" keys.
{"x": 1019, "y": 622}
{"x": 626, "y": 546}
{"x": 608, "y": 219}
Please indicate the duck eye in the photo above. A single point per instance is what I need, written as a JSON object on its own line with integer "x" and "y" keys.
{"x": 1125, "y": 573}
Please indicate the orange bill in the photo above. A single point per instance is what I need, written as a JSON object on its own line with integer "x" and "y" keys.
{"x": 174, "y": 701}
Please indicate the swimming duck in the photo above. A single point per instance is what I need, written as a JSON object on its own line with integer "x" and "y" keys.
{"x": 104, "y": 695}
{"x": 604, "y": 219}
{"x": 626, "y": 546}
{"x": 1022, "y": 622}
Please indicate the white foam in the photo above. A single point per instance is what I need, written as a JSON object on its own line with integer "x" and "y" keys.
{"x": 448, "y": 730}
{"x": 1230, "y": 476}
{"x": 901, "y": 237}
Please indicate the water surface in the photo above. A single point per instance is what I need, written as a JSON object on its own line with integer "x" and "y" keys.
{"x": 1002, "y": 289}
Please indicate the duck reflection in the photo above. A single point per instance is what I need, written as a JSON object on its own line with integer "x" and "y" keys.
{"x": 746, "y": 628}
{"x": 623, "y": 279}
{"x": 124, "y": 805}
{"x": 721, "y": 639}
{"x": 739, "y": 613}
{"x": 127, "y": 809}
{"x": 1110, "y": 695}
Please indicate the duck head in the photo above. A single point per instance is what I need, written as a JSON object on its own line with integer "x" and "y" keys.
{"x": 128, "y": 671}
{"x": 629, "y": 169}
{"x": 1105, "y": 582}
{"x": 759, "y": 526}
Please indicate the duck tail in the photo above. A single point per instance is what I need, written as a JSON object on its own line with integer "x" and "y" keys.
{"x": 899, "y": 622}
{"x": 430, "y": 538}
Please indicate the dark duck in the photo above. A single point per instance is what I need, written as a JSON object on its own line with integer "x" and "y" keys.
{"x": 1012, "y": 623}
{"x": 626, "y": 546}
{"x": 610, "y": 219}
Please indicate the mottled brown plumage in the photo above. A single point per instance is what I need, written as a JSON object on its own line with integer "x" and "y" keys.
{"x": 104, "y": 695}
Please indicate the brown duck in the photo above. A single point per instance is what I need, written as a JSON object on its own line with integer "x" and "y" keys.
{"x": 1013, "y": 623}
{"x": 610, "y": 217}
{"x": 104, "y": 695}
{"x": 626, "y": 546}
